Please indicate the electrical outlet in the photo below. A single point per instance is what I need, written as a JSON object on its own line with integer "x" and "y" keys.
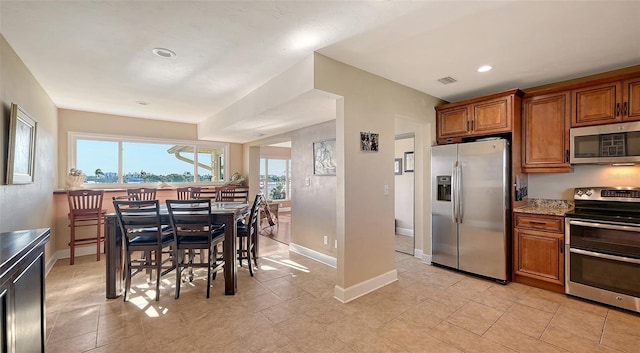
{"x": 307, "y": 181}
{"x": 336, "y": 243}
{"x": 326, "y": 240}
{"x": 386, "y": 189}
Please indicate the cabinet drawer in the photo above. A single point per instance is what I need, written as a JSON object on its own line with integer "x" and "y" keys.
{"x": 544, "y": 223}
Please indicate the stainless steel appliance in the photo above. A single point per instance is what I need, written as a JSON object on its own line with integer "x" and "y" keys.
{"x": 602, "y": 243}
{"x": 606, "y": 144}
{"x": 470, "y": 208}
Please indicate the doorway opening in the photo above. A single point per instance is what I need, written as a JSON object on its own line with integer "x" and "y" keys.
{"x": 404, "y": 193}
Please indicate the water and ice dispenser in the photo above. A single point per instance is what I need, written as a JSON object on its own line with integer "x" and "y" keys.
{"x": 444, "y": 187}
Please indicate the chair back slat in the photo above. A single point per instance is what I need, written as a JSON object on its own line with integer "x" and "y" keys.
{"x": 234, "y": 195}
{"x": 136, "y": 215}
{"x": 190, "y": 217}
{"x": 143, "y": 193}
{"x": 188, "y": 193}
{"x": 85, "y": 201}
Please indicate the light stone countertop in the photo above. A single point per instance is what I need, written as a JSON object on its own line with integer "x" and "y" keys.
{"x": 546, "y": 207}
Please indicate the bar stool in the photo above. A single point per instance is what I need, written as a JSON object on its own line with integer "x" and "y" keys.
{"x": 85, "y": 209}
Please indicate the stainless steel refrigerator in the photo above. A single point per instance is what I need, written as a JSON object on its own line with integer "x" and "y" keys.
{"x": 470, "y": 207}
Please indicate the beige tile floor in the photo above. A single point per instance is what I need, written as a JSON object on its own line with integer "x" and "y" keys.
{"x": 288, "y": 307}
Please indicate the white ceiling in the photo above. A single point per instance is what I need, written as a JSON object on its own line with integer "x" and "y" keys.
{"x": 96, "y": 55}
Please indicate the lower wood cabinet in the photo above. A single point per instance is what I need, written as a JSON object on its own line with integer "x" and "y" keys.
{"x": 538, "y": 251}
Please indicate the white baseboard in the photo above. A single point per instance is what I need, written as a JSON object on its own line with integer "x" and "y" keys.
{"x": 49, "y": 265}
{"x": 80, "y": 251}
{"x": 315, "y": 255}
{"x": 404, "y": 231}
{"x": 346, "y": 295}
{"x": 418, "y": 253}
{"x": 426, "y": 259}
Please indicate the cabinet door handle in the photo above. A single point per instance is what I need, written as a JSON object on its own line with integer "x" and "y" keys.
{"x": 472, "y": 127}
{"x": 467, "y": 125}
{"x": 625, "y": 108}
{"x": 561, "y": 247}
{"x": 566, "y": 156}
{"x": 617, "y": 109}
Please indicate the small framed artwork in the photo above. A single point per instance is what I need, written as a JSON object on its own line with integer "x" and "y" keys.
{"x": 324, "y": 162}
{"x": 408, "y": 162}
{"x": 22, "y": 147}
{"x": 369, "y": 141}
{"x": 398, "y": 166}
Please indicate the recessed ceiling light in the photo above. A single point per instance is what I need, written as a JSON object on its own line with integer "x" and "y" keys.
{"x": 142, "y": 102}
{"x": 484, "y": 68}
{"x": 164, "y": 53}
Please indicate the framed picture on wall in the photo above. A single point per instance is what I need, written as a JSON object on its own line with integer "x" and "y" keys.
{"x": 369, "y": 141}
{"x": 22, "y": 146}
{"x": 324, "y": 162}
{"x": 398, "y": 166}
{"x": 408, "y": 161}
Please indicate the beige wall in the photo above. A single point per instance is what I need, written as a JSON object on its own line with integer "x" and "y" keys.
{"x": 313, "y": 206}
{"x": 365, "y": 215}
{"x": 27, "y": 206}
{"x": 560, "y": 185}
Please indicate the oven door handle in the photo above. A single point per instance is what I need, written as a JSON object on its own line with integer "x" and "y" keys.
{"x": 605, "y": 226}
{"x": 605, "y": 256}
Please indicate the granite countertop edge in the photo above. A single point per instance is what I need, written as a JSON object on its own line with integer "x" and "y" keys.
{"x": 546, "y": 207}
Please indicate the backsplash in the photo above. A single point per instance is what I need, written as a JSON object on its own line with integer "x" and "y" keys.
{"x": 551, "y": 203}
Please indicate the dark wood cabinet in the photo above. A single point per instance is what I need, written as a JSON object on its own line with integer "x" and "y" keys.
{"x": 605, "y": 103}
{"x": 22, "y": 291}
{"x": 483, "y": 116}
{"x": 545, "y": 126}
{"x": 538, "y": 251}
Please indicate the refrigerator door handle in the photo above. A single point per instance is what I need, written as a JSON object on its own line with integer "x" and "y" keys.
{"x": 459, "y": 193}
{"x": 454, "y": 215}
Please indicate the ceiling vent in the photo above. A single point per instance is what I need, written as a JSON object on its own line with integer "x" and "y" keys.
{"x": 447, "y": 80}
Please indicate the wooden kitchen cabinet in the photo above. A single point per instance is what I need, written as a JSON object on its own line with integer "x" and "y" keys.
{"x": 483, "y": 116}
{"x": 22, "y": 291}
{"x": 538, "y": 251}
{"x": 545, "y": 126}
{"x": 605, "y": 103}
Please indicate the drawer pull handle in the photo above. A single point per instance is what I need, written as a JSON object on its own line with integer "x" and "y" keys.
{"x": 538, "y": 223}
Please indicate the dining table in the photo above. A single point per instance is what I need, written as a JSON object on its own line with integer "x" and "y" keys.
{"x": 226, "y": 213}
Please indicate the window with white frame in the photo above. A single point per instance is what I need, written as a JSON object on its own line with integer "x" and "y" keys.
{"x": 128, "y": 160}
{"x": 275, "y": 178}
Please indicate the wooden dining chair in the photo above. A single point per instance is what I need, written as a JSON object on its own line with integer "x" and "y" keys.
{"x": 234, "y": 195}
{"x": 211, "y": 194}
{"x": 193, "y": 232}
{"x": 188, "y": 193}
{"x": 143, "y": 193}
{"x": 247, "y": 233}
{"x": 143, "y": 232}
{"x": 85, "y": 209}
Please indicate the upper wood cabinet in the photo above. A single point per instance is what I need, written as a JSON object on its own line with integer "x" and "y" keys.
{"x": 545, "y": 133}
{"x": 487, "y": 115}
{"x": 604, "y": 103}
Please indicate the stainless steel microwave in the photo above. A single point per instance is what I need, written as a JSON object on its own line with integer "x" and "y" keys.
{"x": 606, "y": 144}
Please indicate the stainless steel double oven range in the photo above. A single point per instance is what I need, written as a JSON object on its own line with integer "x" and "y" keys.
{"x": 602, "y": 243}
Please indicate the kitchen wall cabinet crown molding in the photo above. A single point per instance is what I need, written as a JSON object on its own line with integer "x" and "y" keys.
{"x": 481, "y": 116}
{"x": 538, "y": 251}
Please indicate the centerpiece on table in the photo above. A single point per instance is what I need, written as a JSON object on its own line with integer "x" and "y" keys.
{"x": 75, "y": 179}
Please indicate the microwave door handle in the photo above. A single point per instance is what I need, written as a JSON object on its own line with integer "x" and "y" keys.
{"x": 605, "y": 226}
